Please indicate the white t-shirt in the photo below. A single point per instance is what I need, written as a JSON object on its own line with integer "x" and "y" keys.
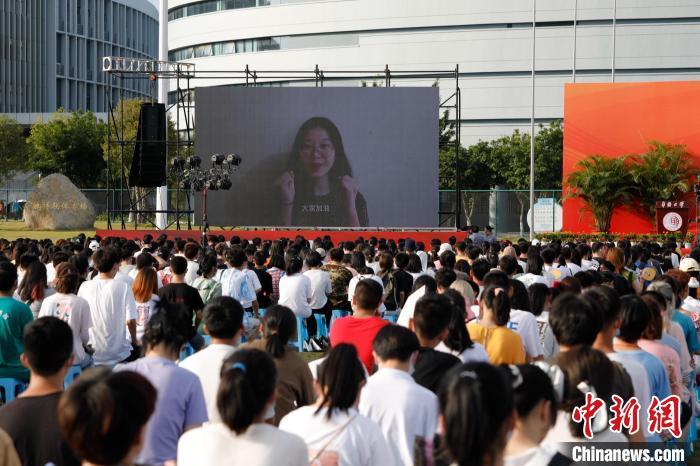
{"x": 423, "y": 259}
{"x": 74, "y": 311}
{"x": 206, "y": 364}
{"x": 640, "y": 382}
{"x": 537, "y": 456}
{"x": 144, "y": 311}
{"x": 550, "y": 346}
{"x": 295, "y": 293}
{"x": 573, "y": 268}
{"x": 320, "y": 287}
{"x": 409, "y": 307}
{"x": 356, "y": 279}
{"x": 237, "y": 284}
{"x": 111, "y": 305}
{"x": 260, "y": 445}
{"x": 589, "y": 264}
{"x": 403, "y": 409}
{"x": 555, "y": 273}
{"x": 477, "y": 353}
{"x": 358, "y": 441}
{"x": 530, "y": 279}
{"x": 50, "y": 274}
{"x": 121, "y": 276}
{"x": 133, "y": 273}
{"x": 525, "y": 324}
{"x": 559, "y": 437}
{"x": 191, "y": 274}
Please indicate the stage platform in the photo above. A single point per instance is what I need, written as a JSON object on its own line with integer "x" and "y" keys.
{"x": 269, "y": 234}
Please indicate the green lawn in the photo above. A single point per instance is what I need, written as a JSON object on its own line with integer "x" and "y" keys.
{"x": 12, "y": 230}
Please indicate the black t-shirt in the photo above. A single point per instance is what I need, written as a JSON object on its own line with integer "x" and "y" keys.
{"x": 403, "y": 281}
{"x": 265, "y": 287}
{"x": 431, "y": 366}
{"x": 32, "y": 423}
{"x": 182, "y": 293}
{"x": 326, "y": 210}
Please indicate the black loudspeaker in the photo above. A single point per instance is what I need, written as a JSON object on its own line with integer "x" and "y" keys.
{"x": 150, "y": 151}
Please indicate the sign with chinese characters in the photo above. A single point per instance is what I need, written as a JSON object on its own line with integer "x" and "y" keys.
{"x": 672, "y": 217}
{"x": 548, "y": 215}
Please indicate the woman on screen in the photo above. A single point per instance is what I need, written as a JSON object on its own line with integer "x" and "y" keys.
{"x": 318, "y": 188}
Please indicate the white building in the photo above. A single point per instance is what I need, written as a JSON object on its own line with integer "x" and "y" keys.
{"x": 490, "y": 40}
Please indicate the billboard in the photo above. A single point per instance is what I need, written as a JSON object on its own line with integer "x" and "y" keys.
{"x": 322, "y": 157}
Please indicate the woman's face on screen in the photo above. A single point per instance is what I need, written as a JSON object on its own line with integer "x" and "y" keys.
{"x": 317, "y": 153}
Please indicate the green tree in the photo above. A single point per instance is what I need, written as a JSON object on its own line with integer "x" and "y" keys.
{"x": 69, "y": 144}
{"x": 661, "y": 173}
{"x": 603, "y": 183}
{"x": 13, "y": 148}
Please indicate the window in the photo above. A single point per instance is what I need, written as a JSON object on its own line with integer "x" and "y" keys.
{"x": 268, "y": 43}
{"x": 203, "y": 51}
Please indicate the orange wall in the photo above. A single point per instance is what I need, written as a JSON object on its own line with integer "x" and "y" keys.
{"x": 621, "y": 118}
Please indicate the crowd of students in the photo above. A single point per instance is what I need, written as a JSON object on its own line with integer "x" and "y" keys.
{"x": 495, "y": 347}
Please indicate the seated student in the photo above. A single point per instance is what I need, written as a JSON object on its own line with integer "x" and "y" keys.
{"x": 223, "y": 322}
{"x": 536, "y": 409}
{"x": 333, "y": 429}
{"x": 103, "y": 416}
{"x": 179, "y": 292}
{"x": 14, "y": 315}
{"x": 404, "y": 410}
{"x": 458, "y": 343}
{"x": 422, "y": 286}
{"x": 294, "y": 381}
{"x": 246, "y": 399}
{"x": 503, "y": 345}
{"x": 180, "y": 404}
{"x": 430, "y": 323}
{"x": 585, "y": 370}
{"x": 31, "y": 418}
{"x": 479, "y": 392}
{"x": 360, "y": 328}
{"x": 206, "y": 286}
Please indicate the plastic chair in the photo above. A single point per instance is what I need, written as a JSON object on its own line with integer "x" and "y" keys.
{"x": 393, "y": 318}
{"x": 337, "y": 314}
{"x": 321, "y": 327}
{"x": 207, "y": 340}
{"x": 302, "y": 333}
{"x": 73, "y": 373}
{"x": 186, "y": 352}
{"x": 261, "y": 312}
{"x": 11, "y": 388}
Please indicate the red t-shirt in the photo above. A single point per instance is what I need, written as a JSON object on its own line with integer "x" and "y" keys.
{"x": 360, "y": 332}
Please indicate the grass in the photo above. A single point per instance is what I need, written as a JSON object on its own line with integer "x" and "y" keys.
{"x": 14, "y": 229}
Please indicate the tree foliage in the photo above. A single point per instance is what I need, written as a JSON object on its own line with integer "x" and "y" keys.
{"x": 69, "y": 144}
{"x": 13, "y": 148}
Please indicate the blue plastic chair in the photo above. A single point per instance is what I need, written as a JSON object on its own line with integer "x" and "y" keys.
{"x": 261, "y": 312}
{"x": 302, "y": 333}
{"x": 207, "y": 340}
{"x": 73, "y": 373}
{"x": 393, "y": 318}
{"x": 11, "y": 388}
{"x": 321, "y": 327}
{"x": 186, "y": 352}
{"x": 337, "y": 314}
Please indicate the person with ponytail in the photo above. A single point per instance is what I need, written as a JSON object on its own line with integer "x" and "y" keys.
{"x": 334, "y": 430}
{"x": 246, "y": 400}
{"x": 476, "y": 414}
{"x": 294, "y": 380}
{"x": 503, "y": 346}
{"x": 103, "y": 416}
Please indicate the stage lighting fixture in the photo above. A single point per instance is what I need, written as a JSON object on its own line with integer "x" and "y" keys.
{"x": 234, "y": 159}
{"x": 217, "y": 159}
{"x": 194, "y": 161}
{"x": 224, "y": 183}
{"x": 184, "y": 184}
{"x": 178, "y": 163}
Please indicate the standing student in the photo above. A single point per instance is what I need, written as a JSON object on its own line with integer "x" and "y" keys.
{"x": 31, "y": 419}
{"x": 246, "y": 399}
{"x": 180, "y": 404}
{"x": 73, "y": 310}
{"x": 405, "y": 411}
{"x": 294, "y": 381}
{"x": 333, "y": 429}
{"x": 179, "y": 292}
{"x": 476, "y": 414}
{"x": 112, "y": 305}
{"x": 103, "y": 416}
{"x": 223, "y": 322}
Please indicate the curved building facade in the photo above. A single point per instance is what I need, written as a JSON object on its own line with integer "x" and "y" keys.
{"x": 491, "y": 41}
{"x": 51, "y": 53}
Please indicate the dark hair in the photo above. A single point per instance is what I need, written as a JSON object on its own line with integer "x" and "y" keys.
{"x": 401, "y": 260}
{"x": 48, "y": 344}
{"x": 171, "y": 325}
{"x": 26, "y": 259}
{"x": 178, "y": 265}
{"x": 634, "y": 318}
{"x": 498, "y": 302}
{"x": 368, "y": 294}
{"x": 538, "y": 293}
{"x": 102, "y": 413}
{"x": 432, "y": 315}
{"x": 448, "y": 260}
{"x": 655, "y": 327}
{"x": 248, "y": 380}
{"x": 313, "y": 259}
{"x": 425, "y": 281}
{"x": 508, "y": 264}
{"x": 480, "y": 268}
{"x": 606, "y": 300}
{"x": 521, "y": 298}
{"x": 276, "y": 260}
{"x": 34, "y": 283}
{"x": 8, "y": 276}
{"x": 535, "y": 264}
{"x": 294, "y": 265}
{"x": 574, "y": 320}
{"x": 341, "y": 376}
{"x": 80, "y": 262}
{"x": 414, "y": 264}
{"x": 191, "y": 250}
{"x": 570, "y": 285}
{"x": 458, "y": 338}
{"x": 223, "y": 317}
{"x": 67, "y": 278}
{"x": 336, "y": 254}
{"x": 279, "y": 325}
{"x": 236, "y": 256}
{"x": 476, "y": 401}
{"x": 445, "y": 277}
{"x": 105, "y": 259}
{"x": 534, "y": 386}
{"x": 394, "y": 342}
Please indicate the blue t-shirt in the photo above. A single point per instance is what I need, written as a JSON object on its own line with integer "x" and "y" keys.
{"x": 14, "y": 315}
{"x": 180, "y": 405}
{"x": 691, "y": 335}
{"x": 668, "y": 340}
{"x": 658, "y": 378}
